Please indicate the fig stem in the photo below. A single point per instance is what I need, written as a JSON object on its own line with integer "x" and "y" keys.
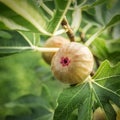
{"x": 40, "y": 49}
{"x": 44, "y": 49}
{"x": 68, "y": 29}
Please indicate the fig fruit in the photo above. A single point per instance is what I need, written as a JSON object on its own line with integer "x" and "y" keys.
{"x": 72, "y": 63}
{"x": 55, "y": 42}
{"x": 99, "y": 114}
{"x": 118, "y": 115}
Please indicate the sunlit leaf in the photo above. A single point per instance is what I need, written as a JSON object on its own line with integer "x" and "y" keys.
{"x": 110, "y": 78}
{"x": 68, "y": 101}
{"x": 88, "y": 103}
{"x": 106, "y": 50}
{"x": 60, "y": 12}
{"x": 22, "y": 15}
{"x": 15, "y": 42}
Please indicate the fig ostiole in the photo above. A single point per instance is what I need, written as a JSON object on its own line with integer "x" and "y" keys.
{"x": 72, "y": 63}
{"x": 53, "y": 42}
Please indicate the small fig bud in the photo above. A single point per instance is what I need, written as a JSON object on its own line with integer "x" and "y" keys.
{"x": 56, "y": 42}
{"x": 72, "y": 63}
{"x": 99, "y": 114}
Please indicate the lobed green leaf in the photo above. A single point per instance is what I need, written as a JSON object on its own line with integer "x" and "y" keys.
{"x": 15, "y": 42}
{"x": 110, "y": 78}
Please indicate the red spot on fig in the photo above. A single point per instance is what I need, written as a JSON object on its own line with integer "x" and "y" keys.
{"x": 65, "y": 61}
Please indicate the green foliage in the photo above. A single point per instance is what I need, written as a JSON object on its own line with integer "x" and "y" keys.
{"x": 15, "y": 42}
{"x": 28, "y": 90}
{"x": 107, "y": 49}
{"x": 110, "y": 77}
{"x": 73, "y": 98}
{"x": 89, "y": 94}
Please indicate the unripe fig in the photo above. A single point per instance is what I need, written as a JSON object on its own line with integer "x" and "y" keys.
{"x": 54, "y": 42}
{"x": 72, "y": 63}
{"x": 99, "y": 114}
{"x": 118, "y": 115}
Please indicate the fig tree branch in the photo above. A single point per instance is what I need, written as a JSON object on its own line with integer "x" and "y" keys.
{"x": 68, "y": 29}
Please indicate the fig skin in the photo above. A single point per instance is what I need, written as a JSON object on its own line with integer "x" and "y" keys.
{"x": 99, "y": 114}
{"x": 53, "y": 42}
{"x": 118, "y": 115}
{"x": 72, "y": 63}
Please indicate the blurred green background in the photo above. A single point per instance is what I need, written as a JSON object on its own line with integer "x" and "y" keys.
{"x": 28, "y": 90}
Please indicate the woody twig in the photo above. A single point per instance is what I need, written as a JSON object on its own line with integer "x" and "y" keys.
{"x": 68, "y": 29}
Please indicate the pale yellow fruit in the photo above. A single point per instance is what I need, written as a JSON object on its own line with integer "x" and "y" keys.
{"x": 53, "y": 42}
{"x": 118, "y": 115}
{"x": 117, "y": 110}
{"x": 72, "y": 63}
{"x": 99, "y": 114}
